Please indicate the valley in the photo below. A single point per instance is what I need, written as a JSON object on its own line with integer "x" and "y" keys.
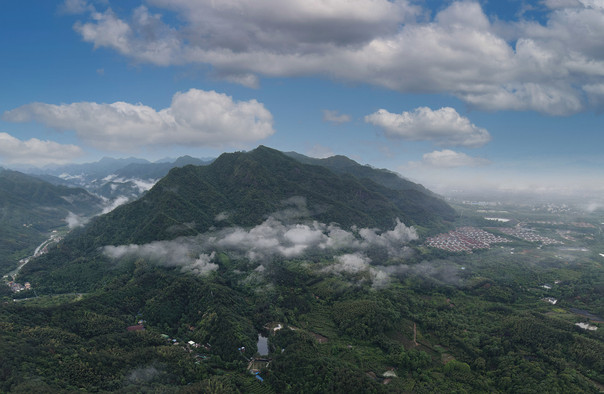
{"x": 265, "y": 273}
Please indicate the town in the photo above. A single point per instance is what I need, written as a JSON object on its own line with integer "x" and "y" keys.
{"x": 467, "y": 239}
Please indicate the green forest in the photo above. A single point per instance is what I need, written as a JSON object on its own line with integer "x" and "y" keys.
{"x": 355, "y": 317}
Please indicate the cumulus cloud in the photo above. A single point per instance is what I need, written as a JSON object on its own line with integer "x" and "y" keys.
{"x": 445, "y": 127}
{"x": 335, "y": 116}
{"x": 450, "y": 159}
{"x": 517, "y": 65}
{"x": 194, "y": 118}
{"x": 35, "y": 151}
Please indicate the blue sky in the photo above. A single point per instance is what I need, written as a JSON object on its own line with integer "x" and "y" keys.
{"x": 453, "y": 94}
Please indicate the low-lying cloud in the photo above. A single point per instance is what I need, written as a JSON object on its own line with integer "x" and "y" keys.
{"x": 441, "y": 272}
{"x": 142, "y": 185}
{"x": 177, "y": 253}
{"x": 273, "y": 238}
{"x": 74, "y": 221}
{"x": 112, "y": 204}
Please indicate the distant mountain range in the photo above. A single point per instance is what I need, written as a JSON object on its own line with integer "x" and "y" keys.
{"x": 111, "y": 178}
{"x": 244, "y": 189}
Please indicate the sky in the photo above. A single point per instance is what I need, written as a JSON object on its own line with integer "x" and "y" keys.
{"x": 456, "y": 95}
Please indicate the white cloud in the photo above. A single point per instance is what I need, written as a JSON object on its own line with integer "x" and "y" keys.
{"x": 111, "y": 205}
{"x": 75, "y": 7}
{"x": 350, "y": 263}
{"x": 520, "y": 65}
{"x": 169, "y": 253}
{"x": 555, "y": 4}
{"x": 194, "y": 118}
{"x": 393, "y": 240}
{"x": 595, "y": 93}
{"x": 449, "y": 159}
{"x": 36, "y": 152}
{"x": 73, "y": 220}
{"x": 141, "y": 184}
{"x": 221, "y": 216}
{"x": 202, "y": 265}
{"x": 443, "y": 126}
{"x": 358, "y": 263}
{"x": 335, "y": 116}
{"x": 319, "y": 151}
{"x": 274, "y": 237}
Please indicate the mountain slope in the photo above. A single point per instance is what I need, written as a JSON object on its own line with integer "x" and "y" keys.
{"x": 30, "y": 207}
{"x": 156, "y": 170}
{"x": 248, "y": 187}
{"x": 237, "y": 190}
{"x": 344, "y": 165}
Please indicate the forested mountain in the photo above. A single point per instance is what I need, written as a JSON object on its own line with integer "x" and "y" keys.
{"x": 263, "y": 273}
{"x": 344, "y": 165}
{"x": 246, "y": 188}
{"x": 30, "y": 208}
{"x": 238, "y": 189}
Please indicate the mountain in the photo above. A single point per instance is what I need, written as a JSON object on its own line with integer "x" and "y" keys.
{"x": 155, "y": 170}
{"x": 124, "y": 179}
{"x": 344, "y": 165}
{"x": 30, "y": 208}
{"x": 98, "y": 169}
{"x": 237, "y": 190}
{"x": 246, "y": 188}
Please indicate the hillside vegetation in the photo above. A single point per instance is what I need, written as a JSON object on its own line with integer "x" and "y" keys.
{"x": 30, "y": 208}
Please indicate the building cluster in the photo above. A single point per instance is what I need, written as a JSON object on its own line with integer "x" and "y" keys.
{"x": 529, "y": 235}
{"x": 465, "y": 239}
{"x": 583, "y": 225}
{"x": 17, "y": 287}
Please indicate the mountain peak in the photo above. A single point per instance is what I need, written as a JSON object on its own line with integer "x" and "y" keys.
{"x": 249, "y": 187}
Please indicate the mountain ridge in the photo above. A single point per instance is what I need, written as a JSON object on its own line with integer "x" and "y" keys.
{"x": 250, "y": 186}
{"x": 237, "y": 190}
{"x": 30, "y": 208}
